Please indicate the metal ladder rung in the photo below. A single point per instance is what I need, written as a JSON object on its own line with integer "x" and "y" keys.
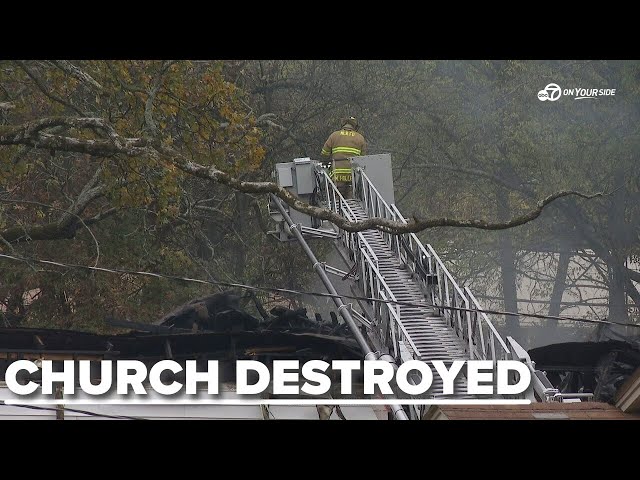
{"x": 432, "y": 335}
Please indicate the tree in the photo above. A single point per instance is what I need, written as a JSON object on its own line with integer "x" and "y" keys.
{"x": 501, "y": 147}
{"x": 93, "y": 147}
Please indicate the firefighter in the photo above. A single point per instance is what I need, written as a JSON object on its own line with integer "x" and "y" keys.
{"x": 341, "y": 145}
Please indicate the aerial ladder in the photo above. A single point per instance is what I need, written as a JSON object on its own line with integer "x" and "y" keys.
{"x": 417, "y": 309}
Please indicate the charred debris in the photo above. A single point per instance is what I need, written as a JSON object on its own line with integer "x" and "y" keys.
{"x": 214, "y": 327}
{"x": 600, "y": 366}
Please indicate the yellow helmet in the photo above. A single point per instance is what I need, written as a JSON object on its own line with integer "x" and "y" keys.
{"x": 351, "y": 121}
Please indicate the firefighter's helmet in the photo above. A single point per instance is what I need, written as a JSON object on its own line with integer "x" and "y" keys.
{"x": 351, "y": 121}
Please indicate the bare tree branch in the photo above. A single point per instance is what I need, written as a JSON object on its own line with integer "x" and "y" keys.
{"x": 93, "y": 189}
{"x": 43, "y": 88}
{"x": 633, "y": 275}
{"x": 53, "y": 230}
{"x": 632, "y": 291}
{"x": 153, "y": 91}
{"x": 415, "y": 225}
{"x": 267, "y": 119}
{"x": 100, "y": 216}
{"x": 470, "y": 171}
{"x": 79, "y": 74}
{"x": 283, "y": 85}
{"x": 28, "y": 134}
{"x": 69, "y": 222}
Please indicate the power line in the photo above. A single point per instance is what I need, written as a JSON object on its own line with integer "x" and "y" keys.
{"x": 121, "y": 271}
{"x": 74, "y": 410}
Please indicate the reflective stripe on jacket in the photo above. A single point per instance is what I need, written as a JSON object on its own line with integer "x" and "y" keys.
{"x": 344, "y": 143}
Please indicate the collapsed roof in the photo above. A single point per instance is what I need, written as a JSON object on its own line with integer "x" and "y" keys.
{"x": 600, "y": 368}
{"x": 212, "y": 327}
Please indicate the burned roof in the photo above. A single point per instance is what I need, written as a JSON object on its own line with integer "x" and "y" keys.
{"x": 16, "y": 342}
{"x": 213, "y": 327}
{"x": 583, "y": 354}
{"x": 600, "y": 368}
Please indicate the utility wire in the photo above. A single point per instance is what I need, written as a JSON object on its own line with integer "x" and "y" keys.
{"x": 74, "y": 410}
{"x": 121, "y": 271}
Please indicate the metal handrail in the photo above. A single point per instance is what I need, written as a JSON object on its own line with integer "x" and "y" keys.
{"x": 343, "y": 309}
{"x": 493, "y": 333}
{"x": 383, "y": 292}
{"x": 480, "y": 337}
{"x": 371, "y": 186}
{"x": 444, "y": 270}
{"x": 329, "y": 185}
{"x": 372, "y": 281}
{"x": 406, "y": 337}
{"x": 435, "y": 277}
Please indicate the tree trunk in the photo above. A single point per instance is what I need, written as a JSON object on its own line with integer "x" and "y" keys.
{"x": 239, "y": 249}
{"x": 559, "y": 286}
{"x": 507, "y": 267}
{"x": 617, "y": 296}
{"x": 616, "y": 268}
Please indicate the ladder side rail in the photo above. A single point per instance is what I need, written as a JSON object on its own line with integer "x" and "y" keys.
{"x": 487, "y": 335}
{"x": 482, "y": 339}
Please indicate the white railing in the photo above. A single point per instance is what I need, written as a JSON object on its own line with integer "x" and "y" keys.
{"x": 374, "y": 204}
{"x": 388, "y": 327}
{"x": 481, "y": 339}
{"x": 485, "y": 334}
